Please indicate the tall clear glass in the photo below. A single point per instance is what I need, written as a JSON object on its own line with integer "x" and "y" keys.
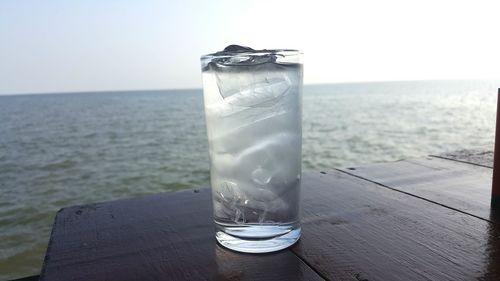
{"x": 253, "y": 111}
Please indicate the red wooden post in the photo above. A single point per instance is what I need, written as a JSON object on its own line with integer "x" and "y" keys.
{"x": 495, "y": 186}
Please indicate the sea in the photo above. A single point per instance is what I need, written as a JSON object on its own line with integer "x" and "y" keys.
{"x": 59, "y": 150}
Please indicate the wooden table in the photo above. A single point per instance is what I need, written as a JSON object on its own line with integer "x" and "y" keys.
{"x": 421, "y": 219}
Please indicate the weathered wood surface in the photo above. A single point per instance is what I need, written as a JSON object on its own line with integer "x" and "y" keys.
{"x": 457, "y": 185}
{"x": 161, "y": 237}
{"x": 353, "y": 229}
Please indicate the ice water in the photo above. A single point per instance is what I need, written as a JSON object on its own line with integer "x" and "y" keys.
{"x": 253, "y": 116}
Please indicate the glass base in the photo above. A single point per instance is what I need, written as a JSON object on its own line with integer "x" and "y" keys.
{"x": 253, "y": 238}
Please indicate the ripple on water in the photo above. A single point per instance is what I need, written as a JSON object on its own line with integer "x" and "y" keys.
{"x": 64, "y": 164}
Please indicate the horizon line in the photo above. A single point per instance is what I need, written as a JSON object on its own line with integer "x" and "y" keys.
{"x": 190, "y": 89}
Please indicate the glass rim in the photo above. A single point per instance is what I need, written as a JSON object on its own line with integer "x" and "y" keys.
{"x": 280, "y": 52}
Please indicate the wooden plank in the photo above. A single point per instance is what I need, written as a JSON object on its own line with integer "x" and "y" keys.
{"x": 476, "y": 157}
{"x": 352, "y": 230}
{"x": 30, "y": 278}
{"x": 457, "y": 185}
{"x": 161, "y": 237}
{"x": 356, "y": 230}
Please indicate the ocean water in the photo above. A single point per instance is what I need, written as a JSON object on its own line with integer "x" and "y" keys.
{"x": 59, "y": 150}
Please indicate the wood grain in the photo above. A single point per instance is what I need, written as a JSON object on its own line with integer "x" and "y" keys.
{"x": 457, "y": 185}
{"x": 161, "y": 237}
{"x": 356, "y": 230}
{"x": 353, "y": 229}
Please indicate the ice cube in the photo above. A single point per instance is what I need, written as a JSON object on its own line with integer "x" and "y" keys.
{"x": 237, "y": 48}
{"x": 240, "y": 203}
{"x": 262, "y": 101}
{"x": 272, "y": 164}
{"x": 264, "y": 93}
{"x": 229, "y": 201}
{"x": 233, "y": 79}
{"x": 235, "y": 55}
{"x": 261, "y": 176}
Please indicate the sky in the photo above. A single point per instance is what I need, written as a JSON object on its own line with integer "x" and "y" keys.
{"x": 67, "y": 46}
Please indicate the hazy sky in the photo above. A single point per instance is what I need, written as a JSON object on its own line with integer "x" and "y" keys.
{"x": 56, "y": 46}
